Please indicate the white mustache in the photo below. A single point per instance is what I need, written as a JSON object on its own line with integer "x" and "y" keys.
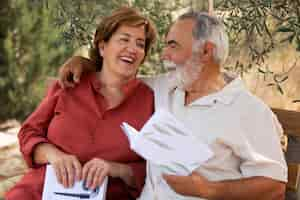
{"x": 170, "y": 65}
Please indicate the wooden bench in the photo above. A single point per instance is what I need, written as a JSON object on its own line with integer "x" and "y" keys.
{"x": 290, "y": 121}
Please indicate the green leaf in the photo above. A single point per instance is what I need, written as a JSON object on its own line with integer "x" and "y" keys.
{"x": 290, "y": 38}
{"x": 284, "y": 29}
{"x": 261, "y": 71}
{"x": 284, "y": 79}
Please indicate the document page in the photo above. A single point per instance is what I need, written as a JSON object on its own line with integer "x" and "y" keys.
{"x": 55, "y": 191}
{"x": 167, "y": 142}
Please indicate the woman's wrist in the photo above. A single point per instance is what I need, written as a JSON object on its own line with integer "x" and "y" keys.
{"x": 45, "y": 153}
{"x": 124, "y": 172}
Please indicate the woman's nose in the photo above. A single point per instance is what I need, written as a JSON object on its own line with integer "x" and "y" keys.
{"x": 132, "y": 48}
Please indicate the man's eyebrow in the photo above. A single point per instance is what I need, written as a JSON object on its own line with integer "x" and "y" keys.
{"x": 172, "y": 42}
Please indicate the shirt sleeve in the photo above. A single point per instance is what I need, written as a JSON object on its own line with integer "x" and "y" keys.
{"x": 34, "y": 129}
{"x": 139, "y": 172}
{"x": 260, "y": 148}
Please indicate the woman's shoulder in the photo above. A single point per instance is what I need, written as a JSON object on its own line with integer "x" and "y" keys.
{"x": 55, "y": 88}
{"x": 87, "y": 78}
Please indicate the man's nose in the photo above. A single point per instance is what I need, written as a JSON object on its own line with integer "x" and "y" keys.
{"x": 164, "y": 55}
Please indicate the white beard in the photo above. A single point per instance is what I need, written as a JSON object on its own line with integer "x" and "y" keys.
{"x": 184, "y": 75}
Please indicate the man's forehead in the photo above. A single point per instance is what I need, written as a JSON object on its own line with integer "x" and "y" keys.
{"x": 181, "y": 28}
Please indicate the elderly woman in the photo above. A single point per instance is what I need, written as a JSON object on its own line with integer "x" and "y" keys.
{"x": 77, "y": 130}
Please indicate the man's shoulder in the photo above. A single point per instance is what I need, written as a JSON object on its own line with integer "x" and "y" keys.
{"x": 249, "y": 104}
{"x": 155, "y": 80}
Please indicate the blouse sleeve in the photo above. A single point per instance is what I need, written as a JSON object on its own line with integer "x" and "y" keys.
{"x": 34, "y": 129}
{"x": 139, "y": 172}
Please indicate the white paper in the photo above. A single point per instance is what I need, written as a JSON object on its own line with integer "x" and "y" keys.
{"x": 166, "y": 142}
{"x": 52, "y": 189}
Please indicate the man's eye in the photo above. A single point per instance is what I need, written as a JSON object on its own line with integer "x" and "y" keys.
{"x": 172, "y": 46}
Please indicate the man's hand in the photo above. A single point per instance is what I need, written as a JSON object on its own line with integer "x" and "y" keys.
{"x": 192, "y": 185}
{"x": 258, "y": 188}
{"x": 71, "y": 71}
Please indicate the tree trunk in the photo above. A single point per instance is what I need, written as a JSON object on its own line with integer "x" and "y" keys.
{"x": 211, "y": 7}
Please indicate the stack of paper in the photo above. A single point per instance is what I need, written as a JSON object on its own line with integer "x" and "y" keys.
{"x": 55, "y": 191}
{"x": 165, "y": 141}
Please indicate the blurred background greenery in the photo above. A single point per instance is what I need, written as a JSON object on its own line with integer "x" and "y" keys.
{"x": 37, "y": 36}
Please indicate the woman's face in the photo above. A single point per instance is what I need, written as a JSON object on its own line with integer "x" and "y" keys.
{"x": 124, "y": 51}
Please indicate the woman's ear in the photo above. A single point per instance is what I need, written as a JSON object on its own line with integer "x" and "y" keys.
{"x": 101, "y": 48}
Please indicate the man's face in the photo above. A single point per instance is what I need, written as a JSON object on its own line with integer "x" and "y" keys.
{"x": 179, "y": 42}
{"x": 178, "y": 53}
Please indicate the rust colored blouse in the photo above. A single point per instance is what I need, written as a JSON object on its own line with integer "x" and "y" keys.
{"x": 77, "y": 122}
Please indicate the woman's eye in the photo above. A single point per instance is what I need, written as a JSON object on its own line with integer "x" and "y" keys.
{"x": 124, "y": 39}
{"x": 141, "y": 45}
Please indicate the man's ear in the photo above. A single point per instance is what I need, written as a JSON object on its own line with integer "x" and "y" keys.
{"x": 208, "y": 51}
{"x": 209, "y": 48}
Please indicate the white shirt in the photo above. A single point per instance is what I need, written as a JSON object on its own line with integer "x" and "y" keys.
{"x": 240, "y": 129}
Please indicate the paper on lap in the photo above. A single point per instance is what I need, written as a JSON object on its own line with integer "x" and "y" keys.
{"x": 165, "y": 141}
{"x": 55, "y": 191}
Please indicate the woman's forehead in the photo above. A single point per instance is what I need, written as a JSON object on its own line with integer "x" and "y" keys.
{"x": 133, "y": 31}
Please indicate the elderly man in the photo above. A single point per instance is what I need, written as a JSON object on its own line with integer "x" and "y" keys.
{"x": 240, "y": 129}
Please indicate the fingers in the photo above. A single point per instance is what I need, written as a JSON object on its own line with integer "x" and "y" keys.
{"x": 95, "y": 181}
{"x": 57, "y": 173}
{"x": 85, "y": 170}
{"x": 66, "y": 76}
{"x": 70, "y": 175}
{"x": 169, "y": 178}
{"x": 67, "y": 170}
{"x": 63, "y": 175}
{"x": 94, "y": 173}
{"x": 70, "y": 72}
{"x": 90, "y": 176}
{"x": 175, "y": 183}
{"x": 78, "y": 169}
{"x": 77, "y": 74}
{"x": 192, "y": 185}
{"x": 99, "y": 178}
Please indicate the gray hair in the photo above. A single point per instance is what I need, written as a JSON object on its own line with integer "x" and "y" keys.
{"x": 209, "y": 28}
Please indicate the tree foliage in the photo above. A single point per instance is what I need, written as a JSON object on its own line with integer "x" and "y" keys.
{"x": 32, "y": 51}
{"x": 37, "y": 36}
{"x": 260, "y": 26}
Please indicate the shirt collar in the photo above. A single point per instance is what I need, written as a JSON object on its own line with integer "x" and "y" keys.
{"x": 128, "y": 88}
{"x": 225, "y": 96}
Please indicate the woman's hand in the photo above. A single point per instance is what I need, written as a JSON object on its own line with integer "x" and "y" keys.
{"x": 94, "y": 172}
{"x": 97, "y": 169}
{"x": 67, "y": 167}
